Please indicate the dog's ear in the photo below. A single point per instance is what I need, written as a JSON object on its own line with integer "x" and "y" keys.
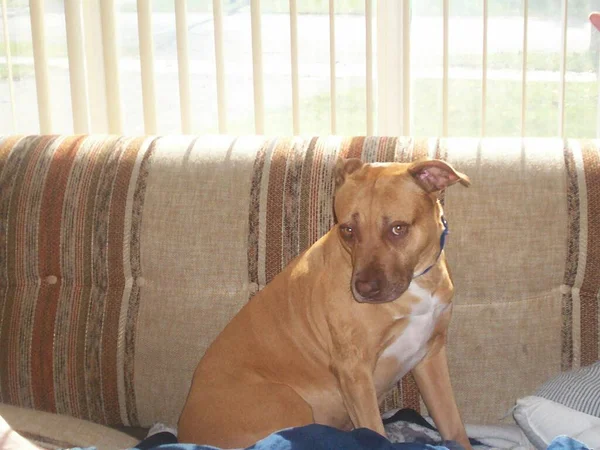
{"x": 595, "y": 19}
{"x": 345, "y": 167}
{"x": 435, "y": 175}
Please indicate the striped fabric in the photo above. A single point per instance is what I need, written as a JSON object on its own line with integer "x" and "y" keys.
{"x": 582, "y": 268}
{"x": 69, "y": 255}
{"x": 578, "y": 389}
{"x": 121, "y": 259}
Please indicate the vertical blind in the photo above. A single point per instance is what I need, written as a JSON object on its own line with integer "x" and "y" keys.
{"x": 389, "y": 79}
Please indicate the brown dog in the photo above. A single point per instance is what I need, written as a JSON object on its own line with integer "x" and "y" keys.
{"x": 343, "y": 322}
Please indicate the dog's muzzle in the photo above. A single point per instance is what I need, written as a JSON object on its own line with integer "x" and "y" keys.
{"x": 375, "y": 289}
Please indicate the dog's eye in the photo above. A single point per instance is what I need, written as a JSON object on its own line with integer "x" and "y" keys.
{"x": 399, "y": 230}
{"x": 347, "y": 231}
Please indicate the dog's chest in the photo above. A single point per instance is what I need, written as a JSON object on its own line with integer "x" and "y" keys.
{"x": 410, "y": 346}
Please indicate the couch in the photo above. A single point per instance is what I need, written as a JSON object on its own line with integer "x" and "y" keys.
{"x": 121, "y": 259}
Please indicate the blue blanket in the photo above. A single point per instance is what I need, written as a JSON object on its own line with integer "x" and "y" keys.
{"x": 321, "y": 437}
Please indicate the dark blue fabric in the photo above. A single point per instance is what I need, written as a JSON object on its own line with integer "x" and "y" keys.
{"x": 157, "y": 439}
{"x": 319, "y": 437}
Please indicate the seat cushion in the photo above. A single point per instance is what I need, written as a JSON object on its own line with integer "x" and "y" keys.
{"x": 53, "y": 431}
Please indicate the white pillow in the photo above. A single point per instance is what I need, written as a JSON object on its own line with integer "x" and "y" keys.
{"x": 542, "y": 420}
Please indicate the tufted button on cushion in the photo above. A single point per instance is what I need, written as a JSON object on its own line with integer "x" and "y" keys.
{"x": 51, "y": 279}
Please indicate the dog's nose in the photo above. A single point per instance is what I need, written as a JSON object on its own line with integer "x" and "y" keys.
{"x": 367, "y": 288}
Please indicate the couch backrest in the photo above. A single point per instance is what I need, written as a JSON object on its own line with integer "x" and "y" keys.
{"x": 122, "y": 258}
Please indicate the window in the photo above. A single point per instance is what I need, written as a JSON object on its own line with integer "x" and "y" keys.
{"x": 426, "y": 67}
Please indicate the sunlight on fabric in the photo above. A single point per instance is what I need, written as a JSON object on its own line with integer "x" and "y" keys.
{"x": 220, "y": 65}
{"x": 144, "y": 10}
{"x": 9, "y": 73}
{"x": 332, "y": 85}
{"x": 294, "y": 62}
{"x": 183, "y": 60}
{"x": 484, "y": 68}
{"x": 111, "y": 68}
{"x": 94, "y": 65}
{"x": 393, "y": 67}
{"x": 563, "y": 69}
{"x": 77, "y": 70}
{"x": 40, "y": 62}
{"x": 406, "y": 75}
{"x": 257, "y": 68}
{"x": 445, "y": 58}
{"x": 524, "y": 70}
{"x": 369, "y": 57}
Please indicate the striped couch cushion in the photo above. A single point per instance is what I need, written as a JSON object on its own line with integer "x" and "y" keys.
{"x": 578, "y": 389}
{"x": 121, "y": 258}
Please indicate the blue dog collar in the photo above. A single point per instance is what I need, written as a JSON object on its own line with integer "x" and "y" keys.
{"x": 442, "y": 244}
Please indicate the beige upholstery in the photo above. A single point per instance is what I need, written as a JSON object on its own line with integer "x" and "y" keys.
{"x": 57, "y": 431}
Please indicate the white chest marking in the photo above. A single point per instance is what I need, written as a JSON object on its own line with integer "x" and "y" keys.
{"x": 411, "y": 346}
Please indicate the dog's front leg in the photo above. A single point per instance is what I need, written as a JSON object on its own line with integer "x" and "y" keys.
{"x": 359, "y": 395}
{"x": 352, "y": 363}
{"x": 433, "y": 379}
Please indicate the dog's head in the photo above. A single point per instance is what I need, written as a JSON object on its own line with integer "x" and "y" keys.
{"x": 390, "y": 221}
